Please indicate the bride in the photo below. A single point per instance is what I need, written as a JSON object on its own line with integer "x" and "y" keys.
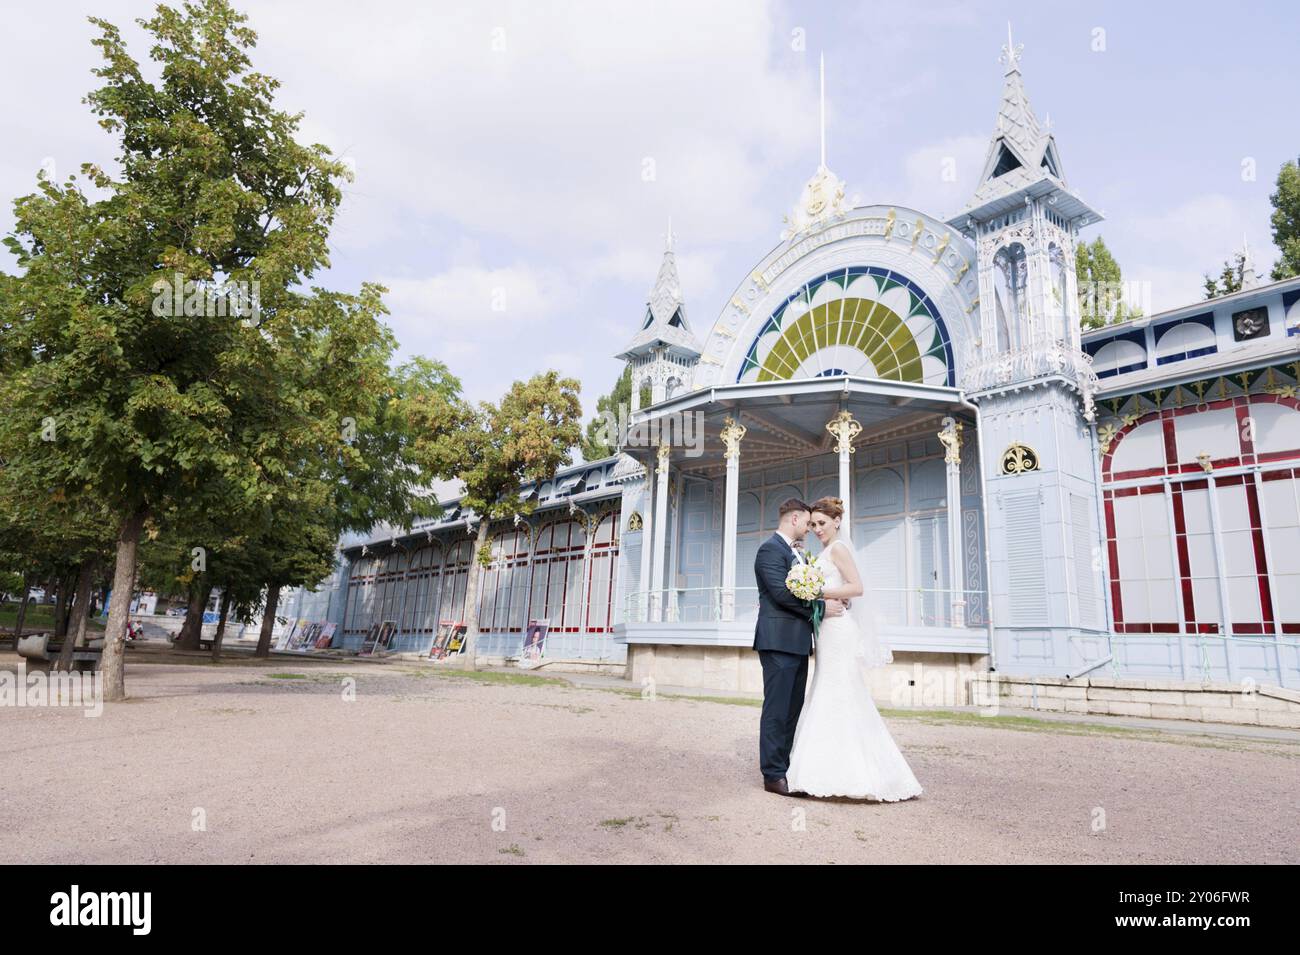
{"x": 841, "y": 745}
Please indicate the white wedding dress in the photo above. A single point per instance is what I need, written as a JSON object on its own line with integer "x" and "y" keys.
{"x": 841, "y": 745}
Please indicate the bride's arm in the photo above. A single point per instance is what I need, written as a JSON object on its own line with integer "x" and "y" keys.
{"x": 848, "y": 568}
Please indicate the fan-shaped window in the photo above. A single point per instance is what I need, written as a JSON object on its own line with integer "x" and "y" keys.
{"x": 1185, "y": 340}
{"x": 866, "y": 321}
{"x": 1115, "y": 357}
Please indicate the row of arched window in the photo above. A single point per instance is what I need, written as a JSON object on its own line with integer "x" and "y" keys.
{"x": 562, "y": 577}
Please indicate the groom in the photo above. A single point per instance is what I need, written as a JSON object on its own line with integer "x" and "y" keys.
{"x": 783, "y": 639}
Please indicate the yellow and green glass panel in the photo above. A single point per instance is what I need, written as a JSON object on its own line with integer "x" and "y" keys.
{"x": 866, "y": 321}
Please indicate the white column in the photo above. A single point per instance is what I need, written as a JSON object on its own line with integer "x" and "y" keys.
{"x": 660, "y": 534}
{"x": 1221, "y": 566}
{"x": 647, "y": 523}
{"x": 731, "y": 435}
{"x": 844, "y": 429}
{"x": 951, "y": 438}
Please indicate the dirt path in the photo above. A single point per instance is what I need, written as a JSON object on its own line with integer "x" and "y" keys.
{"x": 430, "y": 767}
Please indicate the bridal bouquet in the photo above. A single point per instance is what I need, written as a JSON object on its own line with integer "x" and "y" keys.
{"x": 805, "y": 581}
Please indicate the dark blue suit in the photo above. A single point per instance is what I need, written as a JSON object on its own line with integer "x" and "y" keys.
{"x": 783, "y": 639}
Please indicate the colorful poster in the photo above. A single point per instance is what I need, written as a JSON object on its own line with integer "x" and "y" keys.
{"x": 534, "y": 640}
{"x": 326, "y": 636}
{"x": 449, "y": 639}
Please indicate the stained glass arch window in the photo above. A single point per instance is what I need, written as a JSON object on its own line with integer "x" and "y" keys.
{"x": 866, "y": 321}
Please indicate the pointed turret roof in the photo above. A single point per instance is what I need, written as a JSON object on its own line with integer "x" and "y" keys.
{"x": 664, "y": 322}
{"x": 1249, "y": 277}
{"x": 1022, "y": 157}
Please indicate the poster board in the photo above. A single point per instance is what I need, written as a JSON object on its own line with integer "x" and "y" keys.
{"x": 534, "y": 642}
{"x": 378, "y": 638}
{"x": 449, "y": 639}
{"x": 326, "y": 637}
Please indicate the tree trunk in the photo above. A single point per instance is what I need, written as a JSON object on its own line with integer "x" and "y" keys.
{"x": 268, "y": 621}
{"x": 61, "y": 604}
{"x": 468, "y": 661}
{"x": 22, "y": 609}
{"x": 192, "y": 628}
{"x": 73, "y": 635}
{"x": 113, "y": 667}
{"x": 221, "y": 624}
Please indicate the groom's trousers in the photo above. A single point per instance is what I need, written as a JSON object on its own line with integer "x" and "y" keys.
{"x": 785, "y": 677}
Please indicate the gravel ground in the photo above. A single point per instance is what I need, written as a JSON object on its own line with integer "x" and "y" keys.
{"x": 269, "y": 762}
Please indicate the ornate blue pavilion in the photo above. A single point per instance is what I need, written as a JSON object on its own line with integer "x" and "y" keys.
{"x": 1024, "y": 497}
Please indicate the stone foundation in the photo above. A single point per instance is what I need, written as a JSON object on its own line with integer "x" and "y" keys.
{"x": 1261, "y": 705}
{"x": 937, "y": 680}
{"x": 914, "y": 679}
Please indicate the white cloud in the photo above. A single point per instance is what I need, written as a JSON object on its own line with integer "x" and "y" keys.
{"x": 940, "y": 178}
{"x": 1175, "y": 249}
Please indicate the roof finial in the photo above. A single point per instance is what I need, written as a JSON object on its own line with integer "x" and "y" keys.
{"x": 1011, "y": 52}
{"x": 821, "y": 69}
{"x": 669, "y": 237}
{"x": 1248, "y": 277}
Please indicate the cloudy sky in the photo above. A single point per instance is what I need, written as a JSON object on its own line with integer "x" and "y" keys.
{"x": 516, "y": 164}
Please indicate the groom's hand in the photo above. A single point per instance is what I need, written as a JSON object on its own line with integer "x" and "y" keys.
{"x": 834, "y": 607}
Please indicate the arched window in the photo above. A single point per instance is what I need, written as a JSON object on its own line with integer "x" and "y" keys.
{"x": 1184, "y": 340}
{"x": 602, "y": 574}
{"x": 1010, "y": 271}
{"x": 1061, "y": 313}
{"x": 557, "y": 576}
{"x": 1113, "y": 356}
{"x": 868, "y": 321}
{"x": 505, "y": 583}
{"x": 455, "y": 575}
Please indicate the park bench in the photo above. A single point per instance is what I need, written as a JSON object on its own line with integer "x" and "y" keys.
{"x": 37, "y": 650}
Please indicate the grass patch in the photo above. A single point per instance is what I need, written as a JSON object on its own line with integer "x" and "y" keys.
{"x": 616, "y": 823}
{"x": 511, "y": 850}
{"x": 488, "y": 676}
{"x": 286, "y": 676}
{"x": 39, "y": 617}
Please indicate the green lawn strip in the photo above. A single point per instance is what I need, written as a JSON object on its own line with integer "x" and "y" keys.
{"x": 39, "y": 617}
{"x": 488, "y": 676}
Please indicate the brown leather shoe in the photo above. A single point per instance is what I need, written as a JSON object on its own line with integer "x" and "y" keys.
{"x": 777, "y": 786}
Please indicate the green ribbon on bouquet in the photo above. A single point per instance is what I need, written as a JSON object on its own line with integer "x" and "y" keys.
{"x": 819, "y": 606}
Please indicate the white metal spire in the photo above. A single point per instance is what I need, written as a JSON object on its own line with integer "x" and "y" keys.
{"x": 821, "y": 70}
{"x": 1011, "y": 53}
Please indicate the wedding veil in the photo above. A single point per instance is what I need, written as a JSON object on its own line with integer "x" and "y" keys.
{"x": 865, "y": 613}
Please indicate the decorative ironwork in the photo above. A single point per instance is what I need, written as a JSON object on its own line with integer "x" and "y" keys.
{"x": 950, "y": 437}
{"x": 844, "y": 429}
{"x": 1019, "y": 458}
{"x": 634, "y": 522}
{"x": 731, "y": 435}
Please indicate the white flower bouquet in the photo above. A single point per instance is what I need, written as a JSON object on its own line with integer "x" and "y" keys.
{"x": 805, "y": 581}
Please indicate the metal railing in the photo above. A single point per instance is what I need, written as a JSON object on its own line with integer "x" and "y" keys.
{"x": 895, "y": 606}
{"x": 990, "y": 369}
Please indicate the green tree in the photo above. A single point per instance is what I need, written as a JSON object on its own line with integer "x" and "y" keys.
{"x": 1100, "y": 283}
{"x": 156, "y": 400}
{"x": 526, "y": 437}
{"x": 1230, "y": 280}
{"x": 1286, "y": 221}
{"x": 602, "y": 435}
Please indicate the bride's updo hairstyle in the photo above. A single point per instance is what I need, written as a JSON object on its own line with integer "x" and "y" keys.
{"x": 832, "y": 507}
